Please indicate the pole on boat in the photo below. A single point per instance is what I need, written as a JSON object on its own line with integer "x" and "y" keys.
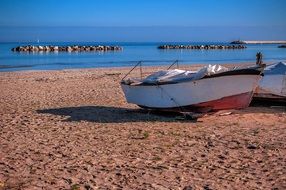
{"x": 139, "y": 63}
{"x": 175, "y": 62}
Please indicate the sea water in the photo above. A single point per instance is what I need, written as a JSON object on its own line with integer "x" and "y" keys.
{"x": 131, "y": 53}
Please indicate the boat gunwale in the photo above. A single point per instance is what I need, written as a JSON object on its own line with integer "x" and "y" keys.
{"x": 244, "y": 71}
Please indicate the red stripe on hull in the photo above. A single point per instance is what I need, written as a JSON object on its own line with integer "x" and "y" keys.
{"x": 231, "y": 102}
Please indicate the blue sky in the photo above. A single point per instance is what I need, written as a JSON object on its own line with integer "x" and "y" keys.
{"x": 25, "y": 20}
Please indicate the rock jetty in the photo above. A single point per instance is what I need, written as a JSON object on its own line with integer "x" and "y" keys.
{"x": 202, "y": 47}
{"x": 74, "y": 48}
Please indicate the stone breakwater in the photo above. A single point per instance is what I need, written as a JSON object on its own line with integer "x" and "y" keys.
{"x": 73, "y": 48}
{"x": 205, "y": 47}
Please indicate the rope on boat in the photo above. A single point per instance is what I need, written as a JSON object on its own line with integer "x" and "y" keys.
{"x": 171, "y": 98}
{"x": 185, "y": 113}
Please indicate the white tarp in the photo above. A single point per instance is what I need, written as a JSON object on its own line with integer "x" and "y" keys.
{"x": 275, "y": 69}
{"x": 178, "y": 75}
{"x": 274, "y": 80}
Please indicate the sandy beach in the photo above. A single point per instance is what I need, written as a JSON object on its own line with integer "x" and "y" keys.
{"x": 72, "y": 129}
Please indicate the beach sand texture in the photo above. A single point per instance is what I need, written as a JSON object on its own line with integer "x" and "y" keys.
{"x": 72, "y": 129}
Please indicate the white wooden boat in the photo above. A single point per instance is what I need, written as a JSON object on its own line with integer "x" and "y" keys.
{"x": 210, "y": 89}
{"x": 273, "y": 84}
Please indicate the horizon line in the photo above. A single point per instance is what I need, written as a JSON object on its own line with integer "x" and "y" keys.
{"x": 138, "y": 26}
{"x": 134, "y": 42}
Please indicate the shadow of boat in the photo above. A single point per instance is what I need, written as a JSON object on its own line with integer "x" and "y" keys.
{"x": 264, "y": 102}
{"x": 265, "y": 106}
{"x": 110, "y": 114}
{"x": 106, "y": 114}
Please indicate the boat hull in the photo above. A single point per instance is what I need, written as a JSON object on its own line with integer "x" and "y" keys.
{"x": 209, "y": 94}
{"x": 272, "y": 87}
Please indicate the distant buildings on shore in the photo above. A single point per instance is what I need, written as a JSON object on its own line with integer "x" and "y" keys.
{"x": 258, "y": 42}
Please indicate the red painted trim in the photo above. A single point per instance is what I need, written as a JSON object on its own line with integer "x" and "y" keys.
{"x": 231, "y": 102}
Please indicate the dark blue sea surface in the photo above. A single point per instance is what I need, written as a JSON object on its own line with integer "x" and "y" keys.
{"x": 132, "y": 53}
